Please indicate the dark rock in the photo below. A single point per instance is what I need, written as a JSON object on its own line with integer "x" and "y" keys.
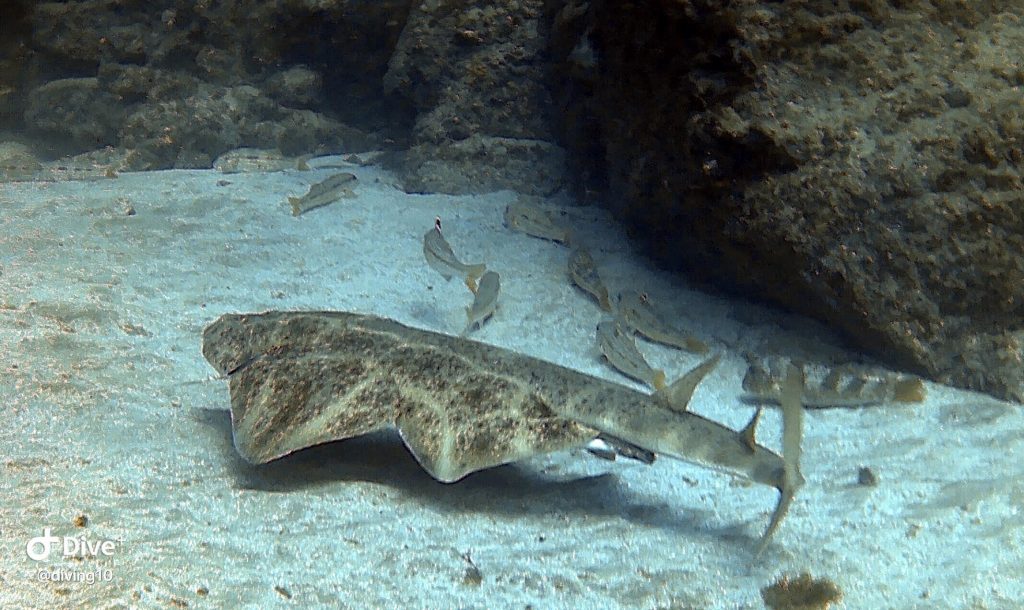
{"x": 75, "y": 110}
{"x": 134, "y": 84}
{"x": 476, "y": 76}
{"x": 15, "y": 67}
{"x": 827, "y": 159}
{"x": 297, "y": 87}
{"x": 193, "y": 131}
{"x": 182, "y": 82}
{"x": 482, "y": 164}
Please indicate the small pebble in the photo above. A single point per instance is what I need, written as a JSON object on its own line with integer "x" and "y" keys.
{"x": 866, "y": 477}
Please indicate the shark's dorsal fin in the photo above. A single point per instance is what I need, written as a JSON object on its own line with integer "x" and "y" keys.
{"x": 677, "y": 396}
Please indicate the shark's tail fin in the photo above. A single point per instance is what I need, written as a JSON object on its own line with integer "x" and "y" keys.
{"x": 792, "y": 437}
{"x": 658, "y": 381}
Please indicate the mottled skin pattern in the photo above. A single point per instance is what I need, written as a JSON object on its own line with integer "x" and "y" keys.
{"x": 299, "y": 379}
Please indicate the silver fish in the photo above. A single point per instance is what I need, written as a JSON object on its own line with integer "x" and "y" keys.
{"x": 636, "y": 310}
{"x": 55, "y": 172}
{"x": 442, "y": 259}
{"x": 619, "y": 348}
{"x": 324, "y": 193}
{"x": 535, "y": 222}
{"x": 841, "y": 386}
{"x": 583, "y": 272}
{"x": 247, "y": 160}
{"x": 485, "y": 301}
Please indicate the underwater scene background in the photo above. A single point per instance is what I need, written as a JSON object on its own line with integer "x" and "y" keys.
{"x": 632, "y": 191}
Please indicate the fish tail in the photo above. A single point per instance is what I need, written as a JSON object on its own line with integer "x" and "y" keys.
{"x": 659, "y": 380}
{"x": 696, "y": 346}
{"x": 476, "y": 271}
{"x": 909, "y": 390}
{"x": 469, "y": 323}
{"x": 296, "y": 205}
{"x": 471, "y": 284}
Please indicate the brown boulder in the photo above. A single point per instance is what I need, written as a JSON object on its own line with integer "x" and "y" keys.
{"x": 858, "y": 164}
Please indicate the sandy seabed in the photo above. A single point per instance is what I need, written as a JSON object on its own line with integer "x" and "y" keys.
{"x": 113, "y": 428}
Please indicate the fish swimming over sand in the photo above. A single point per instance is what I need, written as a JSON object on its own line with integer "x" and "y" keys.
{"x": 442, "y": 259}
{"x": 247, "y": 160}
{"x": 323, "y": 193}
{"x": 638, "y": 314}
{"x": 485, "y": 301}
{"x": 846, "y": 385}
{"x": 583, "y": 272}
{"x": 535, "y": 222}
{"x": 617, "y": 344}
{"x": 55, "y": 172}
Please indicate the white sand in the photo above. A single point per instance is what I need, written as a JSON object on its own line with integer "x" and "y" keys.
{"x": 108, "y": 409}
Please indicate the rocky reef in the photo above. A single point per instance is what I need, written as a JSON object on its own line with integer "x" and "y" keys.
{"x": 857, "y": 161}
{"x": 476, "y": 75}
{"x": 178, "y": 83}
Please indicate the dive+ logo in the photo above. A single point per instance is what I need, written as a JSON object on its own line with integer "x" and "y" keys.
{"x": 40, "y": 547}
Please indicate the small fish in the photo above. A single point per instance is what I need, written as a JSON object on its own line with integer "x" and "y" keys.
{"x": 55, "y": 173}
{"x": 842, "y": 386}
{"x": 19, "y": 170}
{"x": 584, "y": 274}
{"x": 619, "y": 348}
{"x": 440, "y": 257}
{"x": 346, "y": 162}
{"x": 324, "y": 193}
{"x": 485, "y": 301}
{"x": 247, "y": 160}
{"x": 636, "y": 310}
{"x": 364, "y": 159}
{"x": 535, "y": 222}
